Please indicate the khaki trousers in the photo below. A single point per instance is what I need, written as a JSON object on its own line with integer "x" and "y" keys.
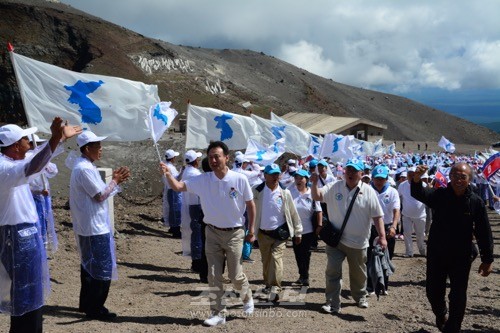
{"x": 219, "y": 246}
{"x": 271, "y": 251}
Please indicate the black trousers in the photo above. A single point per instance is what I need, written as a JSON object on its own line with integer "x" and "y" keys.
{"x": 303, "y": 254}
{"x": 30, "y": 322}
{"x": 93, "y": 293}
{"x": 439, "y": 267}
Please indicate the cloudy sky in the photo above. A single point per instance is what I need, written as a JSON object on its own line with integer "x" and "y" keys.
{"x": 443, "y": 53}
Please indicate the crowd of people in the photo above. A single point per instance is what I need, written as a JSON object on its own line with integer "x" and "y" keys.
{"x": 357, "y": 208}
{"x": 295, "y": 200}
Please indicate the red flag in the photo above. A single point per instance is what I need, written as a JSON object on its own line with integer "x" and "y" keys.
{"x": 10, "y": 48}
{"x": 491, "y": 166}
{"x": 440, "y": 180}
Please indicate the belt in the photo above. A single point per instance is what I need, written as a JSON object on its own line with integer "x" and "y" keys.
{"x": 224, "y": 229}
{"x": 266, "y": 232}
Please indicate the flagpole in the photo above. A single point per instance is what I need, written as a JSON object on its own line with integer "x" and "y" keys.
{"x": 158, "y": 152}
{"x": 187, "y": 117}
{"x": 10, "y": 48}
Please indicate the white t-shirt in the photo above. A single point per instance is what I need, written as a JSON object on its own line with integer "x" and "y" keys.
{"x": 16, "y": 202}
{"x": 223, "y": 200}
{"x": 304, "y": 205}
{"x": 329, "y": 179}
{"x": 272, "y": 215}
{"x": 190, "y": 198}
{"x": 389, "y": 200}
{"x": 357, "y": 230}
{"x": 90, "y": 217}
{"x": 173, "y": 171}
{"x": 411, "y": 206}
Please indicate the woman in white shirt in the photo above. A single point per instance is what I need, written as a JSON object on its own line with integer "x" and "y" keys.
{"x": 307, "y": 209}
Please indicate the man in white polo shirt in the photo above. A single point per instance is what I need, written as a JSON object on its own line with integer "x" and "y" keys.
{"x": 224, "y": 196}
{"x": 414, "y": 216}
{"x": 91, "y": 224}
{"x": 24, "y": 272}
{"x": 354, "y": 241}
{"x": 274, "y": 209}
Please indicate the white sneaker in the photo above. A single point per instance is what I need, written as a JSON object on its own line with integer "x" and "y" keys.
{"x": 330, "y": 309}
{"x": 370, "y": 293}
{"x": 385, "y": 293}
{"x": 363, "y": 303}
{"x": 215, "y": 320}
{"x": 248, "y": 307}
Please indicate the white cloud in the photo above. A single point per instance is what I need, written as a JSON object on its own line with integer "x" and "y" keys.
{"x": 307, "y": 56}
{"x": 400, "y": 44}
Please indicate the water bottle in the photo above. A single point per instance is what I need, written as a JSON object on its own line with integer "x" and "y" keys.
{"x": 496, "y": 205}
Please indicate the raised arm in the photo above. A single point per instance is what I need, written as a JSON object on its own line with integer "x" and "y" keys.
{"x": 176, "y": 185}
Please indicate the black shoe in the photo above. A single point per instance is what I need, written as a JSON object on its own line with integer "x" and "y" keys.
{"x": 196, "y": 265}
{"x": 441, "y": 321}
{"x": 203, "y": 279}
{"x": 104, "y": 315}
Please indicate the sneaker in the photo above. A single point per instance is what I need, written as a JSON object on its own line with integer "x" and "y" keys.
{"x": 370, "y": 293}
{"x": 385, "y": 293}
{"x": 215, "y": 320}
{"x": 327, "y": 308}
{"x": 249, "y": 261}
{"x": 248, "y": 307}
{"x": 330, "y": 309}
{"x": 363, "y": 303}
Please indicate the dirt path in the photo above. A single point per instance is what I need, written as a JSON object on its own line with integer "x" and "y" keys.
{"x": 157, "y": 292}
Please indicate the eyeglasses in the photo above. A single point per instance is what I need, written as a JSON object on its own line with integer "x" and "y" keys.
{"x": 459, "y": 176}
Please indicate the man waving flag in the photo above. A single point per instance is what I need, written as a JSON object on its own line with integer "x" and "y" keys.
{"x": 108, "y": 106}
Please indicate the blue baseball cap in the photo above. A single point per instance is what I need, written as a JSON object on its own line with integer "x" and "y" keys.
{"x": 272, "y": 169}
{"x": 380, "y": 171}
{"x": 303, "y": 173}
{"x": 313, "y": 163}
{"x": 323, "y": 163}
{"x": 356, "y": 164}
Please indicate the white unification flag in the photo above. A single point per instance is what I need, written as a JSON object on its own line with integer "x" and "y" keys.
{"x": 361, "y": 148}
{"x": 160, "y": 118}
{"x": 296, "y": 139}
{"x": 446, "y": 144}
{"x": 258, "y": 153}
{"x": 206, "y": 124}
{"x": 108, "y": 106}
{"x": 336, "y": 147}
{"x": 391, "y": 149}
{"x": 378, "y": 148}
{"x": 315, "y": 146}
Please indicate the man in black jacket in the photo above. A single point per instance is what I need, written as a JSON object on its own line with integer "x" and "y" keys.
{"x": 459, "y": 214}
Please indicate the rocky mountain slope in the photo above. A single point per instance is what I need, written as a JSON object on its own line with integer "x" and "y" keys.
{"x": 61, "y": 35}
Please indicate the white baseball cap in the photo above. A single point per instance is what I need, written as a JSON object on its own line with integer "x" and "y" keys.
{"x": 191, "y": 155}
{"x": 10, "y": 134}
{"x": 291, "y": 161}
{"x": 170, "y": 153}
{"x": 88, "y": 137}
{"x": 241, "y": 159}
{"x": 37, "y": 138}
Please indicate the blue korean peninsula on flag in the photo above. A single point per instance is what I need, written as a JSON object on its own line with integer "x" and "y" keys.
{"x": 108, "y": 106}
